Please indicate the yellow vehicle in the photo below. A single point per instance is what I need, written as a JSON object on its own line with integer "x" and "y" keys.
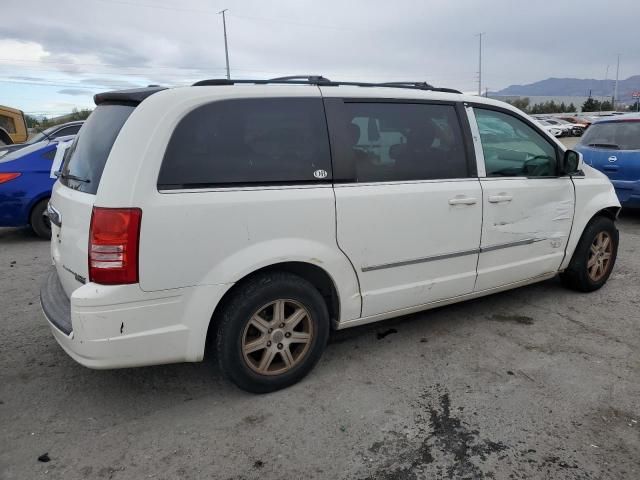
{"x": 13, "y": 126}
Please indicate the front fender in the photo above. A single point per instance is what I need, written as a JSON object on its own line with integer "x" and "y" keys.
{"x": 594, "y": 193}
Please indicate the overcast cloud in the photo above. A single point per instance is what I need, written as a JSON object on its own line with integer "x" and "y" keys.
{"x": 55, "y": 55}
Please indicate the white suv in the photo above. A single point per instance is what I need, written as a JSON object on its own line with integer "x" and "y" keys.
{"x": 252, "y": 217}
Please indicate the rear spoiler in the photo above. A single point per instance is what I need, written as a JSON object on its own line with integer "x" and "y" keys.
{"x": 134, "y": 95}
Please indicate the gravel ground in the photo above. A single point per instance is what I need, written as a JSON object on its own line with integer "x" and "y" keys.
{"x": 539, "y": 382}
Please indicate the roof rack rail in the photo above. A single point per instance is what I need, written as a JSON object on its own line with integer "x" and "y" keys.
{"x": 323, "y": 81}
{"x": 408, "y": 84}
{"x": 308, "y": 78}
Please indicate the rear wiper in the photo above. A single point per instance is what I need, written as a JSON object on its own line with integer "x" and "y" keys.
{"x": 71, "y": 177}
{"x": 605, "y": 145}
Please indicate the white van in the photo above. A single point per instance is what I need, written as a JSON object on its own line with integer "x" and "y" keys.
{"x": 252, "y": 217}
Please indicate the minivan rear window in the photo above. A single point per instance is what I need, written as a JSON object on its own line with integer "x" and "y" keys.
{"x": 85, "y": 159}
{"x": 247, "y": 142}
{"x": 620, "y": 135}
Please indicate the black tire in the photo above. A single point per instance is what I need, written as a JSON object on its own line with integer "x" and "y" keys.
{"x": 40, "y": 224}
{"x": 236, "y": 314}
{"x": 576, "y": 276}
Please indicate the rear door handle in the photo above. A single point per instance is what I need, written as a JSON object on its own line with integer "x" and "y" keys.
{"x": 463, "y": 201}
{"x": 500, "y": 198}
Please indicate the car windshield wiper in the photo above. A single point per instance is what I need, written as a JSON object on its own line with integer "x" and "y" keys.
{"x": 605, "y": 145}
{"x": 71, "y": 177}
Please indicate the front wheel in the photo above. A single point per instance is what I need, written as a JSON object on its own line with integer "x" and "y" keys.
{"x": 594, "y": 257}
{"x": 271, "y": 332}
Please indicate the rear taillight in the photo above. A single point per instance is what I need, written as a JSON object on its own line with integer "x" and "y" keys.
{"x": 113, "y": 245}
{"x": 5, "y": 177}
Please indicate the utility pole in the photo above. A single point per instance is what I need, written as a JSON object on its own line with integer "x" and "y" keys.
{"x": 480, "y": 64}
{"x": 226, "y": 47}
{"x": 606, "y": 77}
{"x": 615, "y": 90}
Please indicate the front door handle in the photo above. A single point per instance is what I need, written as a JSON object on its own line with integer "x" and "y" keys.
{"x": 500, "y": 198}
{"x": 463, "y": 201}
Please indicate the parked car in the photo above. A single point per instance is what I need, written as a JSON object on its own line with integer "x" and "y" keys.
{"x": 582, "y": 122}
{"x": 13, "y": 126}
{"x": 552, "y": 129}
{"x": 612, "y": 145}
{"x": 26, "y": 179}
{"x": 51, "y": 133}
{"x": 253, "y": 218}
{"x": 567, "y": 130}
{"x": 573, "y": 129}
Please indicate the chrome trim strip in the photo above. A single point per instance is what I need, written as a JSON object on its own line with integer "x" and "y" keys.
{"x": 444, "y": 256}
{"x": 526, "y": 241}
{"x": 421, "y": 260}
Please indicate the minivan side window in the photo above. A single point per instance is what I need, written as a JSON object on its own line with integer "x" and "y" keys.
{"x": 248, "y": 142}
{"x": 386, "y": 141}
{"x": 512, "y": 148}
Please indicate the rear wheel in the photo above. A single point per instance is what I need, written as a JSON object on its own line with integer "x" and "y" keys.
{"x": 40, "y": 224}
{"x": 594, "y": 257}
{"x": 271, "y": 332}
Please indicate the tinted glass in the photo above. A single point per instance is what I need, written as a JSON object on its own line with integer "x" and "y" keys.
{"x": 88, "y": 154}
{"x": 400, "y": 141}
{"x": 248, "y": 141}
{"x": 512, "y": 148}
{"x": 67, "y": 131}
{"x": 615, "y": 135}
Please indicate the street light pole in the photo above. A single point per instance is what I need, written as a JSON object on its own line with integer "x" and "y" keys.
{"x": 615, "y": 91}
{"x": 480, "y": 65}
{"x": 226, "y": 47}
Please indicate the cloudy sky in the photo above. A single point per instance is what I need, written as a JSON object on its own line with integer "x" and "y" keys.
{"x": 55, "y": 55}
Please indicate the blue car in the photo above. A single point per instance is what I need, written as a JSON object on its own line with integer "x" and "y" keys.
{"x": 612, "y": 145}
{"x": 26, "y": 179}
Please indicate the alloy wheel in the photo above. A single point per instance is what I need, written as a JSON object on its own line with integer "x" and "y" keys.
{"x": 277, "y": 337}
{"x": 600, "y": 256}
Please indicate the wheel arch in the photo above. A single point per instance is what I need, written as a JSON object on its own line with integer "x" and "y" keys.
{"x": 609, "y": 210}
{"x": 317, "y": 276}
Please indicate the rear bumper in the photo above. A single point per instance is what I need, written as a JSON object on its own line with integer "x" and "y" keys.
{"x": 55, "y": 303}
{"x": 120, "y": 326}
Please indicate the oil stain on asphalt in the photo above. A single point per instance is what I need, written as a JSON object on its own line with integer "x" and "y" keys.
{"x": 444, "y": 446}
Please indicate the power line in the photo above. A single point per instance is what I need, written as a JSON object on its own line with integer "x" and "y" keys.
{"x": 246, "y": 17}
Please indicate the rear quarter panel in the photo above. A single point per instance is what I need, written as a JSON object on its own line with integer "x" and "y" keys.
{"x": 218, "y": 236}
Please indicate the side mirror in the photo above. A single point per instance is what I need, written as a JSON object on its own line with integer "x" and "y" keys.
{"x": 572, "y": 162}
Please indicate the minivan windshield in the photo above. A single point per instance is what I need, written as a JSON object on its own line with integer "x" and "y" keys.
{"x": 85, "y": 159}
{"x": 621, "y": 135}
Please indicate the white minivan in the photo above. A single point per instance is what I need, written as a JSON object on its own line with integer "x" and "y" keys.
{"x": 252, "y": 217}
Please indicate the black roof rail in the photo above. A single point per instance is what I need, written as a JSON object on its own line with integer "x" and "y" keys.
{"x": 408, "y": 84}
{"x": 315, "y": 79}
{"x": 323, "y": 81}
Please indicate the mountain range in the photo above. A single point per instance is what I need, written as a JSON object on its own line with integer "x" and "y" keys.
{"x": 579, "y": 87}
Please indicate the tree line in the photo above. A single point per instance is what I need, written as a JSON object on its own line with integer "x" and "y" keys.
{"x": 590, "y": 105}
{"x": 44, "y": 122}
